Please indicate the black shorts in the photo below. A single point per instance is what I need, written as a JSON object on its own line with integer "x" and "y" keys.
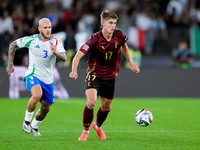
{"x": 105, "y": 88}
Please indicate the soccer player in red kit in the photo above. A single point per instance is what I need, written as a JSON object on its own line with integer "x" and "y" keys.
{"x": 104, "y": 50}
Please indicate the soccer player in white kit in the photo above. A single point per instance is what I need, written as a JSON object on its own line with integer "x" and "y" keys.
{"x": 43, "y": 50}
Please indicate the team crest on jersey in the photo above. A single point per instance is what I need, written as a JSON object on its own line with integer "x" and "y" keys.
{"x": 116, "y": 44}
{"x": 85, "y": 47}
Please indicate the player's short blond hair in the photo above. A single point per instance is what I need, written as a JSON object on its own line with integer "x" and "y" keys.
{"x": 43, "y": 19}
{"x": 107, "y": 14}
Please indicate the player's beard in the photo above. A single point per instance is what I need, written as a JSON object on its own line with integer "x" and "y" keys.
{"x": 46, "y": 37}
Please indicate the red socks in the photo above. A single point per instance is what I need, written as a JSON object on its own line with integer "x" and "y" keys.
{"x": 88, "y": 115}
{"x": 101, "y": 117}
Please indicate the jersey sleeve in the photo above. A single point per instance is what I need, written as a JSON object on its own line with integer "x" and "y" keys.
{"x": 60, "y": 47}
{"x": 88, "y": 44}
{"x": 24, "y": 42}
{"x": 124, "y": 38}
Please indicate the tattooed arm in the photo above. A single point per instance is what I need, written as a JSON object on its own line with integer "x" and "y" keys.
{"x": 62, "y": 56}
{"x": 11, "y": 53}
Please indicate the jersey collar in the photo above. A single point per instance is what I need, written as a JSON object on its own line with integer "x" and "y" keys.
{"x": 104, "y": 37}
{"x": 41, "y": 39}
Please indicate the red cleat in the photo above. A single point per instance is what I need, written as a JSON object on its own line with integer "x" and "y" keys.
{"x": 100, "y": 132}
{"x": 84, "y": 136}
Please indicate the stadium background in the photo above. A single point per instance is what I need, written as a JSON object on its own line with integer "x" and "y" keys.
{"x": 154, "y": 28}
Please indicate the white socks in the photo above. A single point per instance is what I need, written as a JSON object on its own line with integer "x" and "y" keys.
{"x": 28, "y": 116}
{"x": 85, "y": 131}
{"x": 97, "y": 127}
{"x": 35, "y": 123}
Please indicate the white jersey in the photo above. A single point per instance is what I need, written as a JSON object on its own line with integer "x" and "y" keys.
{"x": 41, "y": 59}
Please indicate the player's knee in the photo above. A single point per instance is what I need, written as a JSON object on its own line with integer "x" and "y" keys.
{"x": 37, "y": 96}
{"x": 91, "y": 104}
{"x": 106, "y": 110}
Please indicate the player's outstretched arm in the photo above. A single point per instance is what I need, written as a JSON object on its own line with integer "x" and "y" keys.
{"x": 75, "y": 62}
{"x": 62, "y": 56}
{"x": 11, "y": 53}
{"x": 133, "y": 66}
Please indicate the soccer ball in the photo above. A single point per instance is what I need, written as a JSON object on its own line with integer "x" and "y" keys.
{"x": 143, "y": 117}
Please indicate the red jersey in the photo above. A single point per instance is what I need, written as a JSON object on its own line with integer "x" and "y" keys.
{"x": 104, "y": 57}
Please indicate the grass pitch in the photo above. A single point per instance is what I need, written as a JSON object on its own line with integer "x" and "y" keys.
{"x": 176, "y": 125}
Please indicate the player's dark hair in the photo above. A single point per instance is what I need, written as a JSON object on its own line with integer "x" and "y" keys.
{"x": 107, "y": 14}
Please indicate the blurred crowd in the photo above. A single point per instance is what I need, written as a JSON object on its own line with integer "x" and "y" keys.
{"x": 154, "y": 22}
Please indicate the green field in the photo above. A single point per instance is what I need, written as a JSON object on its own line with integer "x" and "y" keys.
{"x": 175, "y": 126}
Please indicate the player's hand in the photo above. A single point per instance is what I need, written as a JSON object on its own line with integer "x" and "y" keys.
{"x": 53, "y": 48}
{"x": 134, "y": 68}
{"x": 10, "y": 69}
{"x": 73, "y": 75}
